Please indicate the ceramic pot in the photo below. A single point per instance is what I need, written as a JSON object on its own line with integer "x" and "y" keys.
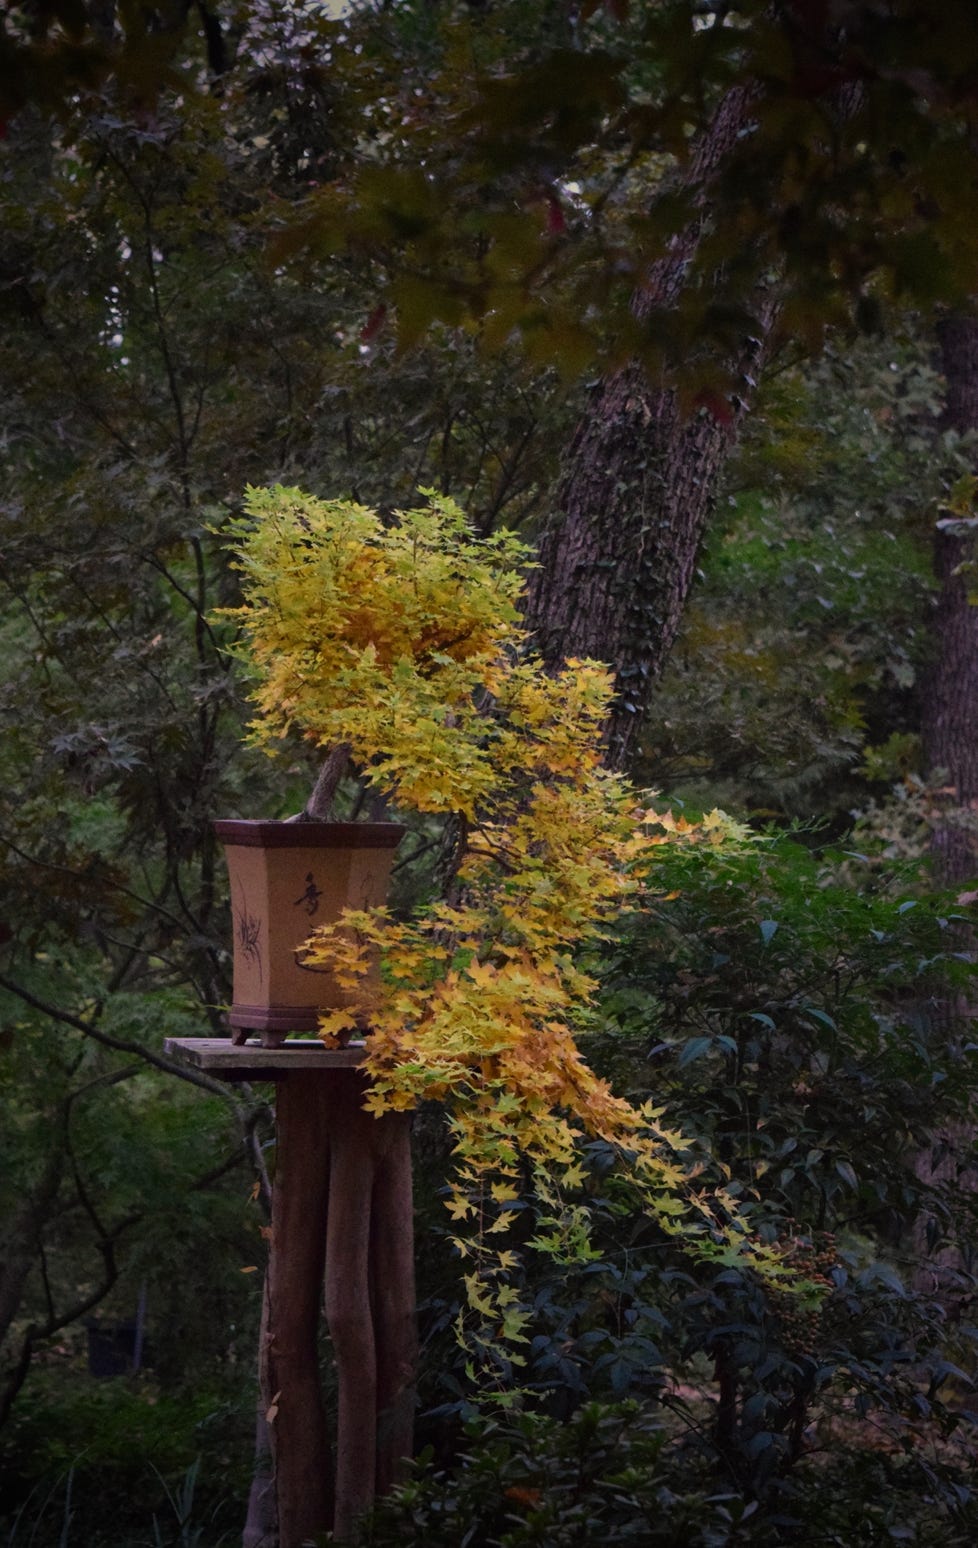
{"x": 286, "y": 879}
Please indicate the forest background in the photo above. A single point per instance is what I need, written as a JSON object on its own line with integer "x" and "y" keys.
{"x": 680, "y": 292}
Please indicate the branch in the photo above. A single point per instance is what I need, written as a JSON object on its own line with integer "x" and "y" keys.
{"x": 68, "y": 870}
{"x": 416, "y": 854}
{"x": 106, "y": 1243}
{"x": 118, "y": 1044}
{"x": 192, "y": 602}
{"x": 254, "y": 1148}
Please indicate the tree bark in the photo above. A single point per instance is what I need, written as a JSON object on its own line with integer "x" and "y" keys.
{"x": 261, "y": 1523}
{"x": 369, "y": 1297}
{"x": 950, "y": 747}
{"x": 20, "y": 1255}
{"x": 618, "y": 553}
{"x": 289, "y": 1354}
{"x": 617, "y": 560}
{"x": 950, "y": 720}
{"x": 341, "y": 1207}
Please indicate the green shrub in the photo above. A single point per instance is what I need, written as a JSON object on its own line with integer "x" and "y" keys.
{"x": 116, "y": 1464}
{"x": 620, "y": 1475}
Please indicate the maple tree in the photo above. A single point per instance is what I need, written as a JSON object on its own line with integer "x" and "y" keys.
{"x": 401, "y": 643}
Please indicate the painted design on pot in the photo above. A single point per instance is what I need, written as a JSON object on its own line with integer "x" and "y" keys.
{"x": 249, "y": 936}
{"x": 310, "y": 898}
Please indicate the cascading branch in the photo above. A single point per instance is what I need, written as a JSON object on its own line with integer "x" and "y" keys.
{"x": 402, "y": 642}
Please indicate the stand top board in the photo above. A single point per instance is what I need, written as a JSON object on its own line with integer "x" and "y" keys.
{"x": 219, "y": 1057}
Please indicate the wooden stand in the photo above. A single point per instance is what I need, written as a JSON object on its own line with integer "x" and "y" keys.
{"x": 341, "y": 1211}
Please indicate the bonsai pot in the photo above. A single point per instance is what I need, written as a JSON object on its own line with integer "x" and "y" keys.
{"x": 287, "y": 878}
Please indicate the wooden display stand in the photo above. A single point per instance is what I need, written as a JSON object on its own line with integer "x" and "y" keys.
{"x": 341, "y": 1217}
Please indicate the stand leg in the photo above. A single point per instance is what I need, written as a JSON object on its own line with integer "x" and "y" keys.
{"x": 261, "y": 1526}
{"x": 393, "y": 1300}
{"x": 290, "y": 1361}
{"x": 341, "y": 1204}
{"x": 348, "y": 1302}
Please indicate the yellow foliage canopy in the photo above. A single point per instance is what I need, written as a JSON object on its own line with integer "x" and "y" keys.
{"x": 387, "y": 638}
{"x": 402, "y": 641}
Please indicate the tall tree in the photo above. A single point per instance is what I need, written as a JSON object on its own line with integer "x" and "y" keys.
{"x": 950, "y": 722}
{"x": 804, "y": 162}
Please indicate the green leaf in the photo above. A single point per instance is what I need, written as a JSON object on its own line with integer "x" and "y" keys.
{"x": 820, "y": 1015}
{"x": 695, "y": 1049}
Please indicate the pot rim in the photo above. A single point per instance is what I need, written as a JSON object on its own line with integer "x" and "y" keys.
{"x": 249, "y": 833}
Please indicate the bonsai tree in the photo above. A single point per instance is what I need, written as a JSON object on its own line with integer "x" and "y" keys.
{"x": 396, "y": 647}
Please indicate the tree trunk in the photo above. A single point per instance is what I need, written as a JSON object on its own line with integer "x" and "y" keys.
{"x": 617, "y": 559}
{"x": 21, "y": 1238}
{"x": 950, "y": 746}
{"x": 950, "y": 721}
{"x": 618, "y": 553}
